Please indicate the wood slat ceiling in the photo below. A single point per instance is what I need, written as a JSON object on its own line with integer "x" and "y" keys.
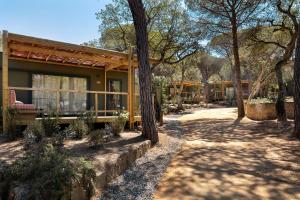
{"x": 48, "y": 51}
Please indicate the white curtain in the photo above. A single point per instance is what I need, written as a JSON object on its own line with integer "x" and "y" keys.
{"x": 70, "y": 102}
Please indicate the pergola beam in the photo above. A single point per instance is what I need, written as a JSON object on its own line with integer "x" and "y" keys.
{"x": 40, "y": 50}
{"x": 76, "y": 48}
{"x": 110, "y": 67}
{"x": 63, "y": 45}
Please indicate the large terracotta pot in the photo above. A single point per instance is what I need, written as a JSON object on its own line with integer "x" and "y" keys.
{"x": 289, "y": 109}
{"x": 267, "y": 111}
{"x": 261, "y": 111}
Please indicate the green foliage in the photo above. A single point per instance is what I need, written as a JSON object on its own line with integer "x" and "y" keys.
{"x": 172, "y": 33}
{"x": 161, "y": 83}
{"x": 58, "y": 139}
{"x": 50, "y": 174}
{"x": 77, "y": 129}
{"x": 97, "y": 138}
{"x": 208, "y": 65}
{"x": 33, "y": 133}
{"x": 50, "y": 124}
{"x": 85, "y": 175}
{"x": 118, "y": 123}
{"x": 261, "y": 100}
{"x": 89, "y": 117}
{"x": 12, "y": 131}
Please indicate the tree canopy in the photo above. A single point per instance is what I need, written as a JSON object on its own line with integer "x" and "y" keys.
{"x": 172, "y": 32}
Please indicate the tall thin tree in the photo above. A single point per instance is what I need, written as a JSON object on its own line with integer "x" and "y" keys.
{"x": 297, "y": 88}
{"x": 284, "y": 21}
{"x": 140, "y": 23}
{"x": 227, "y": 17}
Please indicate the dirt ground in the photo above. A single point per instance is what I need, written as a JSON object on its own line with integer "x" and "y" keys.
{"x": 12, "y": 150}
{"x": 226, "y": 158}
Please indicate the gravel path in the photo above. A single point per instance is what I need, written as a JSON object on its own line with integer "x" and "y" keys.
{"x": 140, "y": 181}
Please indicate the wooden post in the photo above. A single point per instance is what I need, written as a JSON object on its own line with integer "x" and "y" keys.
{"x": 5, "y": 98}
{"x": 57, "y": 101}
{"x": 215, "y": 93}
{"x": 222, "y": 88}
{"x": 130, "y": 97}
{"x": 133, "y": 94}
{"x": 96, "y": 104}
{"x": 105, "y": 95}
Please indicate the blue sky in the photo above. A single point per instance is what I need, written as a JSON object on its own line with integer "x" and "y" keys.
{"x": 72, "y": 21}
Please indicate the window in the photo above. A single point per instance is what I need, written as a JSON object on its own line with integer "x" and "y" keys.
{"x": 69, "y": 102}
{"x": 114, "y": 100}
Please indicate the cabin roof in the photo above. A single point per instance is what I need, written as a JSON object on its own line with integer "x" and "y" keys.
{"x": 50, "y": 51}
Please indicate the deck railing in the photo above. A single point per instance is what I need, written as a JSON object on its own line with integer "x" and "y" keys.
{"x": 56, "y": 95}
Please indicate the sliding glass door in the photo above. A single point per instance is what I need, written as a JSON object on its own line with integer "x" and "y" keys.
{"x": 114, "y": 100}
{"x": 69, "y": 102}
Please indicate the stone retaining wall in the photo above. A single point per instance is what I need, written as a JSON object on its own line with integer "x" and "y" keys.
{"x": 114, "y": 167}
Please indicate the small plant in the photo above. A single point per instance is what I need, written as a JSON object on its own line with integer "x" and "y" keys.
{"x": 50, "y": 123}
{"x": 34, "y": 133}
{"x": 118, "y": 123}
{"x": 261, "y": 100}
{"x": 77, "y": 129}
{"x": 85, "y": 175}
{"x": 12, "y": 131}
{"x": 97, "y": 138}
{"x": 89, "y": 117}
{"x": 58, "y": 140}
{"x": 51, "y": 174}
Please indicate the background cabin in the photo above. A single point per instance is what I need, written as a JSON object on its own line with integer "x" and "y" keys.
{"x": 193, "y": 92}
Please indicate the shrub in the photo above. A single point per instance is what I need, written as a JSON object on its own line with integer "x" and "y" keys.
{"x": 89, "y": 117}
{"x": 77, "y": 129}
{"x": 50, "y": 123}
{"x": 118, "y": 123}
{"x": 261, "y": 100}
{"x": 34, "y": 133}
{"x": 58, "y": 139}
{"x": 51, "y": 174}
{"x": 12, "y": 131}
{"x": 97, "y": 138}
{"x": 85, "y": 175}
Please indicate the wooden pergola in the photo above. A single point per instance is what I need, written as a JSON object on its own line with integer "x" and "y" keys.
{"x": 26, "y": 48}
{"x": 222, "y": 85}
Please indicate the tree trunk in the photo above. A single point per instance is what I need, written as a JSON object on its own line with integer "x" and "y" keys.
{"x": 257, "y": 85}
{"x": 149, "y": 130}
{"x": 179, "y": 97}
{"x": 158, "y": 106}
{"x": 280, "y": 110}
{"x": 297, "y": 88}
{"x": 206, "y": 93}
{"x": 237, "y": 68}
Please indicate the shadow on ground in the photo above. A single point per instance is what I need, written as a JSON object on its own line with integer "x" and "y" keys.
{"x": 226, "y": 159}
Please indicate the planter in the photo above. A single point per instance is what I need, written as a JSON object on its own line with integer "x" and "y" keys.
{"x": 289, "y": 109}
{"x": 267, "y": 111}
{"x": 261, "y": 111}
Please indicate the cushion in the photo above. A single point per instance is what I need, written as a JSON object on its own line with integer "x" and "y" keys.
{"x": 22, "y": 106}
{"x": 18, "y": 104}
{"x": 12, "y": 97}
